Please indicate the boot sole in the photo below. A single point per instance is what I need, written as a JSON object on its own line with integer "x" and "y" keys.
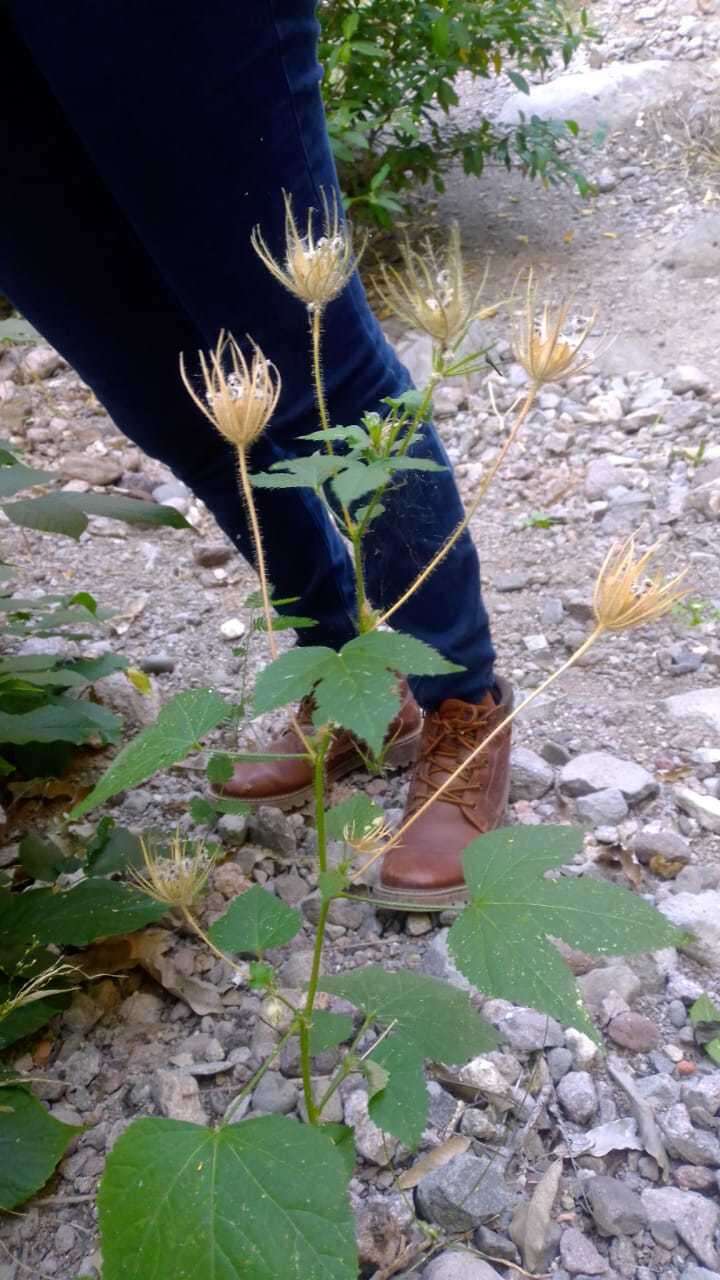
{"x": 400, "y": 755}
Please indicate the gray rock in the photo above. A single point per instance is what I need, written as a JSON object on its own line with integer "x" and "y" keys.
{"x": 512, "y": 580}
{"x": 578, "y": 1096}
{"x": 272, "y": 830}
{"x": 178, "y": 1096}
{"x": 703, "y": 1091}
{"x": 370, "y": 1142}
{"x": 687, "y": 377}
{"x": 601, "y": 476}
{"x": 693, "y": 1272}
{"x": 659, "y": 1090}
{"x": 559, "y": 1061}
{"x": 137, "y": 710}
{"x": 697, "y": 914}
{"x": 438, "y": 963}
{"x": 602, "y": 807}
{"x": 697, "y": 251}
{"x": 695, "y": 1218}
{"x": 696, "y": 704}
{"x": 531, "y": 777}
{"x": 213, "y": 555}
{"x": 82, "y": 1067}
{"x": 457, "y": 1265}
{"x": 523, "y": 1029}
{"x": 381, "y": 1230}
{"x": 598, "y": 984}
{"x": 415, "y": 352}
{"x": 579, "y": 1255}
{"x": 41, "y": 362}
{"x": 599, "y": 771}
{"x": 704, "y": 808}
{"x": 232, "y": 829}
{"x": 296, "y": 970}
{"x": 616, "y": 1209}
{"x": 606, "y": 181}
{"x": 687, "y": 1143}
{"x": 609, "y": 96}
{"x": 142, "y": 1008}
{"x": 275, "y": 1094}
{"x": 91, "y": 468}
{"x": 464, "y": 1193}
{"x": 663, "y": 844}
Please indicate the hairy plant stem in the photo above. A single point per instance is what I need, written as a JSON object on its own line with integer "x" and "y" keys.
{"x": 321, "y": 401}
{"x": 462, "y": 526}
{"x": 306, "y": 1020}
{"x": 254, "y": 1080}
{"x": 247, "y": 492}
{"x": 574, "y": 657}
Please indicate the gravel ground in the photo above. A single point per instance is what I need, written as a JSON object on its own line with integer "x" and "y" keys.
{"x": 628, "y": 745}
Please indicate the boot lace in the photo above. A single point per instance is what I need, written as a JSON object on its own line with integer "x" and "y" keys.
{"x": 445, "y": 743}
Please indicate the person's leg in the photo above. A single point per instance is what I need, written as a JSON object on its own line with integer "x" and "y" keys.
{"x": 196, "y": 116}
{"x": 72, "y": 263}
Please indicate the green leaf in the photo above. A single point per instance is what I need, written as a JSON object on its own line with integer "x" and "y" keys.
{"x": 402, "y": 1106}
{"x": 254, "y": 922}
{"x": 355, "y": 688}
{"x": 31, "y": 1144}
{"x": 262, "y": 976}
{"x": 519, "y": 81}
{"x": 183, "y": 721}
{"x": 62, "y": 720}
{"x": 201, "y": 810}
{"x": 51, "y": 514}
{"x": 704, "y": 1010}
{"x": 437, "y": 1019}
{"x": 219, "y": 768}
{"x": 129, "y": 510}
{"x": 328, "y": 1030}
{"x": 27, "y": 1018}
{"x": 375, "y": 1076}
{"x": 359, "y": 478}
{"x": 429, "y": 1020}
{"x": 261, "y": 1200}
{"x": 113, "y": 849}
{"x": 356, "y": 816}
{"x": 712, "y": 1049}
{"x": 95, "y": 908}
{"x": 17, "y": 477}
{"x": 343, "y": 1140}
{"x": 43, "y": 859}
{"x": 294, "y": 473}
{"x": 500, "y": 942}
{"x": 332, "y": 883}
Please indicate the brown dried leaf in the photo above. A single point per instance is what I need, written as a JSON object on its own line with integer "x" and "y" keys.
{"x": 434, "y": 1159}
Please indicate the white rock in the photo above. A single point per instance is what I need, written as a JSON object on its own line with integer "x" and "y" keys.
{"x": 699, "y": 915}
{"x": 610, "y": 96}
{"x": 599, "y": 771}
{"x": 371, "y": 1143}
{"x": 119, "y": 694}
{"x": 687, "y": 377}
{"x": 705, "y": 809}
{"x": 696, "y": 704}
{"x": 232, "y": 628}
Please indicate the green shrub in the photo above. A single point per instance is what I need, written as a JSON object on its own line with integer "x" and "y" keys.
{"x": 390, "y": 72}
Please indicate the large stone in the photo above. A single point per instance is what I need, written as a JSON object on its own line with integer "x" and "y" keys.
{"x": 699, "y": 915}
{"x": 178, "y": 1096}
{"x": 91, "y": 468}
{"x": 136, "y": 708}
{"x": 697, "y": 704}
{"x": 703, "y": 1091}
{"x": 599, "y": 771}
{"x": 531, "y": 777}
{"x": 695, "y": 1218}
{"x": 616, "y": 1209}
{"x": 525, "y": 1030}
{"x": 696, "y": 1146}
{"x": 370, "y": 1142}
{"x": 457, "y": 1265}
{"x": 579, "y": 1255}
{"x": 578, "y": 1096}
{"x": 598, "y": 984}
{"x": 697, "y": 251}
{"x": 609, "y": 806}
{"x": 272, "y": 830}
{"x": 464, "y": 1193}
{"x": 609, "y": 96}
{"x": 704, "y": 808}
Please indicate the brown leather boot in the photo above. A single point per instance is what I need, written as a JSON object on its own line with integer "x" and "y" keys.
{"x": 425, "y": 870}
{"x": 287, "y": 784}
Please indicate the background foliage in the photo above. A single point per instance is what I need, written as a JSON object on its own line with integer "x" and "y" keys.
{"x": 390, "y": 71}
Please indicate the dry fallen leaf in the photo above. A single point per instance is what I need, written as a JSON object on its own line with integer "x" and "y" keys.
{"x": 531, "y": 1225}
{"x": 434, "y": 1159}
{"x": 148, "y": 950}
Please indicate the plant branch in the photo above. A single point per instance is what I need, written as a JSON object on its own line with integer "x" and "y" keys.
{"x": 257, "y": 1077}
{"x": 462, "y": 526}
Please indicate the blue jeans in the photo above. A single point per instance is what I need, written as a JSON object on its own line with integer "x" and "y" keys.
{"x": 141, "y": 143}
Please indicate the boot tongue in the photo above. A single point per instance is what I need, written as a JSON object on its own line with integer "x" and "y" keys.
{"x": 456, "y": 709}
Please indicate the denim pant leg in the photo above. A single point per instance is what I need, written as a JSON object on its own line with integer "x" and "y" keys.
{"x": 195, "y": 117}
